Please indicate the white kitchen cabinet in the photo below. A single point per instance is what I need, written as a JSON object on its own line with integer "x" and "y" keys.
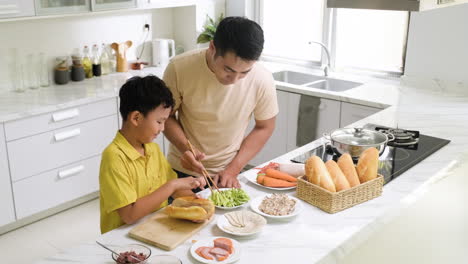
{"x": 351, "y": 113}
{"x": 16, "y": 8}
{"x": 7, "y": 214}
{"x": 54, "y": 187}
{"x": 52, "y": 149}
{"x": 98, "y": 5}
{"x": 54, "y": 157}
{"x": 309, "y": 121}
{"x": 61, "y": 118}
{"x": 57, "y": 7}
{"x": 276, "y": 145}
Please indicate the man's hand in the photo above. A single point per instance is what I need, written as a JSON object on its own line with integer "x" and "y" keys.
{"x": 191, "y": 162}
{"x": 227, "y": 179}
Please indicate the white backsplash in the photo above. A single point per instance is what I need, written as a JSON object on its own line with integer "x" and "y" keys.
{"x": 60, "y": 36}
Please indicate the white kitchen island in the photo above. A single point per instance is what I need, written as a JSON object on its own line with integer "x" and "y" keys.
{"x": 318, "y": 237}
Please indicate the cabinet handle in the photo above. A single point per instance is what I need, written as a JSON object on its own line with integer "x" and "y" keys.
{"x": 9, "y": 9}
{"x": 70, "y": 172}
{"x": 67, "y": 134}
{"x": 60, "y": 116}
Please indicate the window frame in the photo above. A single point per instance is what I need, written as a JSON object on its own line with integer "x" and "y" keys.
{"x": 329, "y": 36}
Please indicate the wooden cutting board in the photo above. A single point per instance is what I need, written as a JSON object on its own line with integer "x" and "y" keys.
{"x": 164, "y": 232}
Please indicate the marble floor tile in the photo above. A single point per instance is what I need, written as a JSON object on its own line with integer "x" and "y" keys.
{"x": 51, "y": 235}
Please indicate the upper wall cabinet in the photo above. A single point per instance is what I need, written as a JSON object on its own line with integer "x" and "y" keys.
{"x": 98, "y": 5}
{"x": 56, "y": 7}
{"x": 400, "y": 5}
{"x": 16, "y": 8}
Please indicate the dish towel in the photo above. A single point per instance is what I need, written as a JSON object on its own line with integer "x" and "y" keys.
{"x": 307, "y": 120}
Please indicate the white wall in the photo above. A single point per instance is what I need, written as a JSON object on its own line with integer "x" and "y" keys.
{"x": 60, "y": 36}
{"x": 438, "y": 44}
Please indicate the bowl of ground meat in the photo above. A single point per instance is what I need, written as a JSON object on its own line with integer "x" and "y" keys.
{"x": 132, "y": 253}
{"x": 276, "y": 206}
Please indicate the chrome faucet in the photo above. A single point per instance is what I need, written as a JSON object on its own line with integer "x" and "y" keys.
{"x": 327, "y": 67}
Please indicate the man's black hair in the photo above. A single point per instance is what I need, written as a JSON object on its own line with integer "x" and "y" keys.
{"x": 144, "y": 94}
{"x": 240, "y": 35}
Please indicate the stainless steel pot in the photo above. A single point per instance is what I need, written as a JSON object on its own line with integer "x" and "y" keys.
{"x": 355, "y": 140}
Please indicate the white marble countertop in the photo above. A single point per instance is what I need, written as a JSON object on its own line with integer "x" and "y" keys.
{"x": 375, "y": 92}
{"x": 318, "y": 237}
{"x": 15, "y": 105}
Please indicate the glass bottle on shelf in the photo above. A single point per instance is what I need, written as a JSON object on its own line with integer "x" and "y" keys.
{"x": 17, "y": 72}
{"x": 96, "y": 61}
{"x": 112, "y": 59}
{"x": 105, "y": 63}
{"x": 77, "y": 70}
{"x": 32, "y": 80}
{"x": 43, "y": 70}
{"x": 61, "y": 70}
{"x": 87, "y": 64}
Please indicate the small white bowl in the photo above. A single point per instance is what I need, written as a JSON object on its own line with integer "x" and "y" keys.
{"x": 255, "y": 203}
{"x": 252, "y": 220}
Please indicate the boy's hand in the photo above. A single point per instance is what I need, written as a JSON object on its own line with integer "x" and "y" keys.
{"x": 191, "y": 162}
{"x": 189, "y": 183}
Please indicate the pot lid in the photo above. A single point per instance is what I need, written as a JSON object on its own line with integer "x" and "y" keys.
{"x": 358, "y": 136}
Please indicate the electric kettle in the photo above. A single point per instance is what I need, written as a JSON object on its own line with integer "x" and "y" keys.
{"x": 163, "y": 51}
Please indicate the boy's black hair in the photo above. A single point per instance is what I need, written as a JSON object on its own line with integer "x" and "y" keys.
{"x": 240, "y": 35}
{"x": 144, "y": 94}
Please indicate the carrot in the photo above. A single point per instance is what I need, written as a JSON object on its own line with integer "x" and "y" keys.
{"x": 260, "y": 178}
{"x": 280, "y": 175}
{"x": 272, "y": 182}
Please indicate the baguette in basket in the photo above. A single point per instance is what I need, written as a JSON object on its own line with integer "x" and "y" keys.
{"x": 317, "y": 173}
{"x": 344, "y": 175}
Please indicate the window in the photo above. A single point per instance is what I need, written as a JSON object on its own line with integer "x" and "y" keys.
{"x": 289, "y": 30}
{"x": 358, "y": 39}
{"x": 370, "y": 39}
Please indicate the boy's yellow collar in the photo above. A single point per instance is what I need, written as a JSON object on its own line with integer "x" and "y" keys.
{"x": 128, "y": 149}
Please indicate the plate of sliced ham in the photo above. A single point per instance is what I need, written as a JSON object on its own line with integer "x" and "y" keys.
{"x": 216, "y": 250}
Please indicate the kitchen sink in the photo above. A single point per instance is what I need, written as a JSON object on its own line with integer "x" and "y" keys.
{"x": 297, "y": 78}
{"x": 314, "y": 81}
{"x": 335, "y": 85}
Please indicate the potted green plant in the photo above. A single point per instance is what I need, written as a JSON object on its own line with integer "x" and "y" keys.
{"x": 209, "y": 29}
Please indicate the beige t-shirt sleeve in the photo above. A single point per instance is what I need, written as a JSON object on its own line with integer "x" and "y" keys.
{"x": 267, "y": 102}
{"x": 170, "y": 78}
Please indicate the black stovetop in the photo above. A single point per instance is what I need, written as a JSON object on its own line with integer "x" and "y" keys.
{"x": 393, "y": 161}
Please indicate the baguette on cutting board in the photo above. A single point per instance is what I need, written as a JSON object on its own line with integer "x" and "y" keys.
{"x": 368, "y": 165}
{"x": 317, "y": 173}
{"x": 345, "y": 162}
{"x": 340, "y": 181}
{"x": 190, "y": 208}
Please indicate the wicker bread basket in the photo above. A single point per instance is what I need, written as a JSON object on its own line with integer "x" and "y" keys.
{"x": 334, "y": 202}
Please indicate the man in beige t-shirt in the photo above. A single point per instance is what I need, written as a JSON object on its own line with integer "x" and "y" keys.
{"x": 217, "y": 91}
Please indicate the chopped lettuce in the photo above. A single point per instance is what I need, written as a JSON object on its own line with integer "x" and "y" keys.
{"x": 229, "y": 198}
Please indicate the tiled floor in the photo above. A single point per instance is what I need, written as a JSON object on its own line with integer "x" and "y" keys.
{"x": 50, "y": 235}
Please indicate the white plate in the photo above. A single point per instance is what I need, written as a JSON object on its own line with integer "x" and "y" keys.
{"x": 222, "y": 222}
{"x": 207, "y": 192}
{"x": 235, "y": 255}
{"x": 255, "y": 203}
{"x": 251, "y": 176}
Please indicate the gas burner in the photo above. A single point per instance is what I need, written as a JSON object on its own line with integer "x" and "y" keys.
{"x": 403, "y": 138}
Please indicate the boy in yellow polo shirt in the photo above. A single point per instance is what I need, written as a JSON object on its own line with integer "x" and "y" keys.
{"x": 135, "y": 178}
